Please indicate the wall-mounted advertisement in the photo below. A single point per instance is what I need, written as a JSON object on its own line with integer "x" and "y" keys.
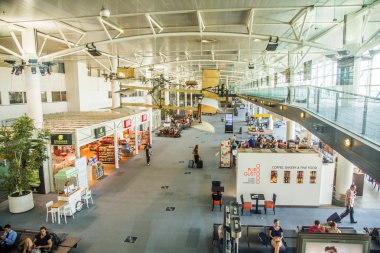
{"x": 229, "y": 123}
{"x": 268, "y": 173}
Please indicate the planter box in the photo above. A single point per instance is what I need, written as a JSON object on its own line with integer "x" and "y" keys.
{"x": 21, "y": 204}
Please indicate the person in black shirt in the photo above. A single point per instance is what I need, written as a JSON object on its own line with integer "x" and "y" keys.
{"x": 148, "y": 153}
{"x": 41, "y": 243}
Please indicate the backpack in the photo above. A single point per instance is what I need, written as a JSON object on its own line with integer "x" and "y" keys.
{"x": 55, "y": 240}
{"x": 264, "y": 238}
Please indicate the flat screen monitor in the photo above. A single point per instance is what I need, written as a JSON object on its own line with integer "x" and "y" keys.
{"x": 229, "y": 123}
{"x": 333, "y": 243}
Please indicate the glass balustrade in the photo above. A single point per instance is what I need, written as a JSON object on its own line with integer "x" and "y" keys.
{"x": 356, "y": 113}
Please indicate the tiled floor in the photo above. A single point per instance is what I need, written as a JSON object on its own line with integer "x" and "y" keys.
{"x": 131, "y": 202}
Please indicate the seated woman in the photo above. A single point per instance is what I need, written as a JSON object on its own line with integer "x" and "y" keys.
{"x": 276, "y": 234}
{"x": 41, "y": 243}
{"x": 332, "y": 228}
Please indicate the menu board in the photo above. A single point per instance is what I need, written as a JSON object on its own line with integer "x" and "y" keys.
{"x": 225, "y": 154}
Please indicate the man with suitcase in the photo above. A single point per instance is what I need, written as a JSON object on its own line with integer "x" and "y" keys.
{"x": 350, "y": 198}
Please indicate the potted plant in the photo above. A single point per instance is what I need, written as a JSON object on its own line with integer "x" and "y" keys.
{"x": 24, "y": 149}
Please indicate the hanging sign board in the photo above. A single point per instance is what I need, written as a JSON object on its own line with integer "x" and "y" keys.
{"x": 61, "y": 139}
{"x": 127, "y": 123}
{"x": 100, "y": 132}
{"x": 144, "y": 117}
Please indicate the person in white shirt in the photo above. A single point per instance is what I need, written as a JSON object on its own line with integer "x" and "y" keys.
{"x": 350, "y": 199}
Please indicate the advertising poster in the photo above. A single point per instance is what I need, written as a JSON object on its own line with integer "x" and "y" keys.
{"x": 284, "y": 174}
{"x": 328, "y": 247}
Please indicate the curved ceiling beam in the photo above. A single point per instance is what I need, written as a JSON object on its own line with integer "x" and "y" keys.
{"x": 183, "y": 34}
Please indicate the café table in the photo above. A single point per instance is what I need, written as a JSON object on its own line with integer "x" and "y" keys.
{"x": 257, "y": 197}
{"x": 58, "y": 205}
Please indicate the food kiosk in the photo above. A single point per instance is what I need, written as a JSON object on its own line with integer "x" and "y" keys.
{"x": 66, "y": 181}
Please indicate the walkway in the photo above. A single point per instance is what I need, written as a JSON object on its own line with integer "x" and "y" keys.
{"x": 131, "y": 202}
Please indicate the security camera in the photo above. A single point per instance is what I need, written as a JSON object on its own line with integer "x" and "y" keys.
{"x": 105, "y": 13}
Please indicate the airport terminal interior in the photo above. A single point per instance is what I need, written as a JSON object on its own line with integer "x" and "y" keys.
{"x": 190, "y": 126}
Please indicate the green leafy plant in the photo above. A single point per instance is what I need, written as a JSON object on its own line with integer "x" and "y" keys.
{"x": 24, "y": 148}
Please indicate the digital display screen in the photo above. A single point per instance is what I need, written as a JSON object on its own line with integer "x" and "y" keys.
{"x": 333, "y": 247}
{"x": 229, "y": 119}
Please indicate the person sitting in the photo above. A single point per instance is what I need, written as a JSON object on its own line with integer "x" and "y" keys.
{"x": 332, "y": 228}
{"x": 276, "y": 234}
{"x": 8, "y": 239}
{"x": 317, "y": 228}
{"x": 41, "y": 243}
{"x": 251, "y": 142}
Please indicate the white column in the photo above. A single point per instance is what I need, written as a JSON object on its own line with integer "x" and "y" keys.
{"x": 33, "y": 85}
{"x": 344, "y": 171}
{"x": 116, "y": 146}
{"x": 191, "y": 99}
{"x": 185, "y": 99}
{"x": 167, "y": 102}
{"x": 290, "y": 130}
{"x": 270, "y": 122}
{"x": 115, "y": 86}
{"x": 136, "y": 139}
{"x": 177, "y": 98}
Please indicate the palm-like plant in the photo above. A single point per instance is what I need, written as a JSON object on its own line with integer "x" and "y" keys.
{"x": 24, "y": 148}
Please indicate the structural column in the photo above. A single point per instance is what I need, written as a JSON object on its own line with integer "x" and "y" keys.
{"x": 177, "y": 98}
{"x": 116, "y": 146}
{"x": 115, "y": 86}
{"x": 191, "y": 99}
{"x": 344, "y": 172}
{"x": 33, "y": 85}
{"x": 270, "y": 122}
{"x": 167, "y": 101}
{"x": 136, "y": 138}
{"x": 290, "y": 130}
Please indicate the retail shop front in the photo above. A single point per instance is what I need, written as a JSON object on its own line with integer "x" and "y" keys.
{"x": 101, "y": 145}
{"x": 297, "y": 177}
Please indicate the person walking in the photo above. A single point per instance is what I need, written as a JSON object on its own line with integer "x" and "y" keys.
{"x": 196, "y": 154}
{"x": 350, "y": 199}
{"x": 148, "y": 153}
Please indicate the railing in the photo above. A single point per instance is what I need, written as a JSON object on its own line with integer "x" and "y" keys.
{"x": 356, "y": 113}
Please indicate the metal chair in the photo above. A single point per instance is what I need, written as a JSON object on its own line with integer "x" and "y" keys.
{"x": 270, "y": 204}
{"x": 245, "y": 205}
{"x": 87, "y": 197}
{"x": 67, "y": 211}
{"x": 216, "y": 200}
{"x": 51, "y": 210}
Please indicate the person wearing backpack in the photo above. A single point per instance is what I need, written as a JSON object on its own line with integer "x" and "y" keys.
{"x": 41, "y": 243}
{"x": 148, "y": 153}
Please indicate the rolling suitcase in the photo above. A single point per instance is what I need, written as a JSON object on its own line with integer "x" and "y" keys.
{"x": 335, "y": 217}
{"x": 200, "y": 164}
{"x": 190, "y": 164}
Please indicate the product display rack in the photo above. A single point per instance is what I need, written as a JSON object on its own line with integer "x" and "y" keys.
{"x": 225, "y": 154}
{"x": 107, "y": 154}
{"x": 97, "y": 170}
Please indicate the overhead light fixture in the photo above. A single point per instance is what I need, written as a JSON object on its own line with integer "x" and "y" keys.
{"x": 105, "y": 13}
{"x": 303, "y": 115}
{"x": 344, "y": 52}
{"x": 92, "y": 50}
{"x": 347, "y": 143}
{"x": 272, "y": 43}
{"x": 208, "y": 41}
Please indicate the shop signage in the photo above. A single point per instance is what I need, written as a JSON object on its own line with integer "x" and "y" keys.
{"x": 100, "y": 132}
{"x": 127, "y": 123}
{"x": 144, "y": 117}
{"x": 61, "y": 139}
{"x": 253, "y": 174}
